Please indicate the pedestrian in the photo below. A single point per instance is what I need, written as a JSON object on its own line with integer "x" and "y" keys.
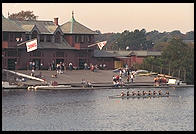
{"x": 104, "y": 66}
{"x": 53, "y": 65}
{"x": 58, "y": 68}
{"x": 132, "y": 77}
{"x": 33, "y": 72}
{"x": 92, "y": 68}
{"x": 41, "y": 66}
{"x": 30, "y": 65}
{"x": 101, "y": 66}
{"x": 33, "y": 65}
{"x": 85, "y": 66}
{"x": 70, "y": 66}
{"x": 63, "y": 67}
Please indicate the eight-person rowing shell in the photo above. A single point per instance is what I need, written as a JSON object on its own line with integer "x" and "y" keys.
{"x": 133, "y": 93}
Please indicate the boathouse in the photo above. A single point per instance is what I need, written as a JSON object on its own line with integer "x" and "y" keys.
{"x": 59, "y": 43}
{"x": 56, "y": 43}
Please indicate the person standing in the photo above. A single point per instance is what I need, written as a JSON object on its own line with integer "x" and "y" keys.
{"x": 70, "y": 66}
{"x": 33, "y": 65}
{"x": 41, "y": 66}
{"x": 30, "y": 65}
{"x": 53, "y": 65}
{"x": 85, "y": 66}
{"x": 132, "y": 77}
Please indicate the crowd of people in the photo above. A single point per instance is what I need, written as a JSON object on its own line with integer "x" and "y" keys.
{"x": 129, "y": 75}
{"x": 159, "y": 80}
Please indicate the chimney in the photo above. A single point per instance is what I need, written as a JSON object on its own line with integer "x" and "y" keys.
{"x": 56, "y": 21}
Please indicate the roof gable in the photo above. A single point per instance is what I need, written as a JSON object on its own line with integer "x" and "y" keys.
{"x": 74, "y": 27}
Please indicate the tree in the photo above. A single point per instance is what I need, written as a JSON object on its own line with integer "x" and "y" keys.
{"x": 23, "y": 15}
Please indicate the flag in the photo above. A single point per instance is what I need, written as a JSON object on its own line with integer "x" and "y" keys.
{"x": 31, "y": 45}
{"x": 101, "y": 44}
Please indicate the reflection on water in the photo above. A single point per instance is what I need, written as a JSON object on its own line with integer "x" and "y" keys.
{"x": 93, "y": 110}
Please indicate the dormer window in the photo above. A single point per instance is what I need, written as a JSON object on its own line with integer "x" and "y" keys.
{"x": 48, "y": 38}
{"x": 34, "y": 34}
{"x": 57, "y": 37}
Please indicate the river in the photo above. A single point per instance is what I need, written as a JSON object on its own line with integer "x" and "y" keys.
{"x": 78, "y": 110}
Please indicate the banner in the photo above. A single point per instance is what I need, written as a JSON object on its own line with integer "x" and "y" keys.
{"x": 32, "y": 45}
{"x": 101, "y": 44}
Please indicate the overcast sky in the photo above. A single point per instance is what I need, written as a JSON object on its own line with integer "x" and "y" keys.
{"x": 114, "y": 17}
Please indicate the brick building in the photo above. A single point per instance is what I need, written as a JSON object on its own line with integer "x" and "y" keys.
{"x": 58, "y": 43}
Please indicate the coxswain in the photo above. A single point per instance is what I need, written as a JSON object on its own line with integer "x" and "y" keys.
{"x": 127, "y": 93}
{"x": 122, "y": 93}
{"x": 167, "y": 92}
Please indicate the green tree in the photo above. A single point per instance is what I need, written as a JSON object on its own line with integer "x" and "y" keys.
{"x": 23, "y": 15}
{"x": 177, "y": 58}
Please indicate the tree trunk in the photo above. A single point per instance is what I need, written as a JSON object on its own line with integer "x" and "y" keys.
{"x": 179, "y": 73}
{"x": 169, "y": 69}
{"x": 184, "y": 74}
{"x": 161, "y": 69}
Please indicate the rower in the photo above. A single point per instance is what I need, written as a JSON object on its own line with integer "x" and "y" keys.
{"x": 133, "y": 93}
{"x": 149, "y": 92}
{"x": 138, "y": 93}
{"x": 154, "y": 92}
{"x": 127, "y": 93}
{"x": 122, "y": 93}
{"x": 160, "y": 92}
{"x": 143, "y": 92}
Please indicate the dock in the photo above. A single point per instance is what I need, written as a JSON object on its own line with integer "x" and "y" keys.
{"x": 101, "y": 79}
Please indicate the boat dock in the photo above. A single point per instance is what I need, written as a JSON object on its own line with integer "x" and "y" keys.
{"x": 101, "y": 79}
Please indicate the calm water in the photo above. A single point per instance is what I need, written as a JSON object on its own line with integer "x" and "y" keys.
{"x": 74, "y": 110}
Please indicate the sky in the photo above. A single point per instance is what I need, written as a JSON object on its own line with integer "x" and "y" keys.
{"x": 114, "y": 17}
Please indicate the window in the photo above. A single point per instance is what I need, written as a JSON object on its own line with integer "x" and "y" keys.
{"x": 65, "y": 54}
{"x": 89, "y": 38}
{"x": 82, "y": 38}
{"x": 41, "y": 38}
{"x": 34, "y": 34}
{"x": 12, "y": 53}
{"x": 12, "y": 37}
{"x": 27, "y": 37}
{"x": 5, "y": 36}
{"x": 57, "y": 37}
{"x": 76, "y": 39}
{"x": 48, "y": 38}
{"x": 82, "y": 54}
{"x": 59, "y": 54}
{"x": 36, "y": 53}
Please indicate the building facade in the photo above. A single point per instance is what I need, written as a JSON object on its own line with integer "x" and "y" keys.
{"x": 66, "y": 43}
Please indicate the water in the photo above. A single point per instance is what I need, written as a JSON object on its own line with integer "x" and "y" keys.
{"x": 74, "y": 110}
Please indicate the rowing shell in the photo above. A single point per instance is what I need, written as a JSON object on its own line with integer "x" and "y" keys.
{"x": 146, "y": 96}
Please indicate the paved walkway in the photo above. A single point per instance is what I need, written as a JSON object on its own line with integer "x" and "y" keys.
{"x": 76, "y": 76}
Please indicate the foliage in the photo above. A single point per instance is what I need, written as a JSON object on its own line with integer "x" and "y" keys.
{"x": 177, "y": 59}
{"x": 140, "y": 39}
{"x": 23, "y": 15}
